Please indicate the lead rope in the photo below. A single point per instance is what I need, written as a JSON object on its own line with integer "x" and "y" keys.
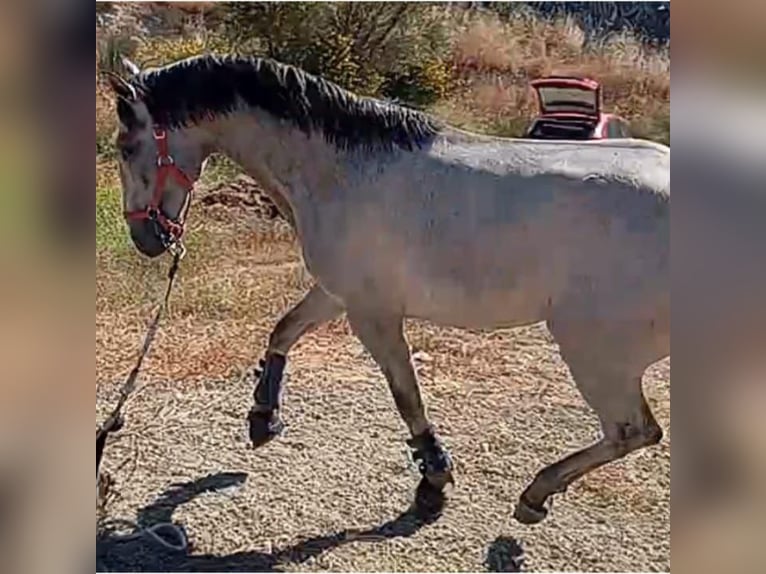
{"x": 115, "y": 422}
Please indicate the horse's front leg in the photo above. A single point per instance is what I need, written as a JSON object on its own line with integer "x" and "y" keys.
{"x": 383, "y": 336}
{"x": 315, "y": 309}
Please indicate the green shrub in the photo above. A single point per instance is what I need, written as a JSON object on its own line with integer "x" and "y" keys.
{"x": 164, "y": 50}
{"x": 396, "y": 50}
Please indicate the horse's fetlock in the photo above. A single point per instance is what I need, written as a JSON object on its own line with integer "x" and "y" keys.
{"x": 432, "y": 457}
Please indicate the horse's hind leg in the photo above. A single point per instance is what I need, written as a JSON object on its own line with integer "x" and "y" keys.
{"x": 612, "y": 387}
{"x": 383, "y": 336}
{"x": 315, "y": 309}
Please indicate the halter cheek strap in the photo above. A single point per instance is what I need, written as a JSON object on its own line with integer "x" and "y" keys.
{"x": 166, "y": 167}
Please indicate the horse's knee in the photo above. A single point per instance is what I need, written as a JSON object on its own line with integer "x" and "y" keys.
{"x": 649, "y": 431}
{"x": 627, "y": 437}
{"x": 316, "y": 308}
{"x": 653, "y": 434}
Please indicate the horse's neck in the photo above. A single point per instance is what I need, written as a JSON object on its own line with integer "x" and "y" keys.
{"x": 280, "y": 156}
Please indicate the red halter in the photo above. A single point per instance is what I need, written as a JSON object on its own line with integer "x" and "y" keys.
{"x": 165, "y": 166}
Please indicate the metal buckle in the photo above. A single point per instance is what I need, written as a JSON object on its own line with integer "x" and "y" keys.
{"x": 166, "y": 238}
{"x": 177, "y": 248}
{"x": 169, "y": 240}
{"x": 165, "y": 160}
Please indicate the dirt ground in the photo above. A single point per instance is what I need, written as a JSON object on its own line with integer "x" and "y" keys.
{"x": 334, "y": 491}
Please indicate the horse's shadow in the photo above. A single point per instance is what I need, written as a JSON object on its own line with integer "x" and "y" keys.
{"x": 505, "y": 555}
{"x": 118, "y": 553}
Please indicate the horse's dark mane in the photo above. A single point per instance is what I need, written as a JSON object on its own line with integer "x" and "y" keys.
{"x": 207, "y": 86}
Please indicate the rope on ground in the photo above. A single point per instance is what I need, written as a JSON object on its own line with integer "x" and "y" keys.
{"x": 151, "y": 532}
{"x": 115, "y": 422}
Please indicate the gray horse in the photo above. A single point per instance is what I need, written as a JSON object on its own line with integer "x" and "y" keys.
{"x": 400, "y": 216}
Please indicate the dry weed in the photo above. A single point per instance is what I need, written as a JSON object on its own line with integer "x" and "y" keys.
{"x": 495, "y": 60}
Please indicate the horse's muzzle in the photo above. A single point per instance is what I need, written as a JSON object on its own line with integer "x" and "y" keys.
{"x": 146, "y": 237}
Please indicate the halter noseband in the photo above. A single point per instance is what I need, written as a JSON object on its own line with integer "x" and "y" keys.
{"x": 169, "y": 231}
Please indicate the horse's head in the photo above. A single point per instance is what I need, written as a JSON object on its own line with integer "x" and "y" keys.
{"x": 158, "y": 167}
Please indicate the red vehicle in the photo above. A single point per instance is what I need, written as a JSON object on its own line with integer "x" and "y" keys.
{"x": 571, "y": 109}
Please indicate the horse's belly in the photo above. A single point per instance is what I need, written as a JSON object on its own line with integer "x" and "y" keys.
{"x": 479, "y": 304}
{"x": 487, "y": 313}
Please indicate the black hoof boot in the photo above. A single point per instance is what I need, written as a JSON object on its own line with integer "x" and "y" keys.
{"x": 429, "y": 501}
{"x": 264, "y": 420}
{"x": 264, "y": 426}
{"x": 434, "y": 461}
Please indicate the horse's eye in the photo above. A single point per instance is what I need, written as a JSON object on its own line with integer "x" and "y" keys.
{"x": 127, "y": 151}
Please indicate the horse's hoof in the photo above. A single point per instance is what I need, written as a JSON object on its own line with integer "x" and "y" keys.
{"x": 264, "y": 426}
{"x": 528, "y": 514}
{"x": 429, "y": 501}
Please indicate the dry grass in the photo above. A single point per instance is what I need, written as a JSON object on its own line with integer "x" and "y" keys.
{"x": 497, "y": 59}
{"x": 504, "y": 401}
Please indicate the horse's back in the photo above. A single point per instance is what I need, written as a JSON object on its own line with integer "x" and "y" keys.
{"x": 644, "y": 163}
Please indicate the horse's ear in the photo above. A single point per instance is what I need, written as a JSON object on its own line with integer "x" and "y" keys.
{"x": 131, "y": 67}
{"x": 121, "y": 87}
